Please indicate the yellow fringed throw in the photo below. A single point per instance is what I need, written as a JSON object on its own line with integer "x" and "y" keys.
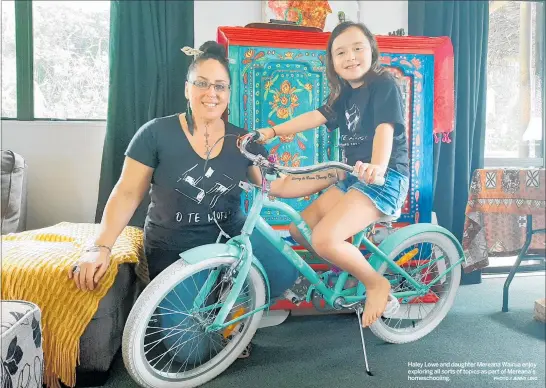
{"x": 35, "y": 268}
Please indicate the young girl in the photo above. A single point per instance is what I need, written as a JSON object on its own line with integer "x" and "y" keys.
{"x": 366, "y": 105}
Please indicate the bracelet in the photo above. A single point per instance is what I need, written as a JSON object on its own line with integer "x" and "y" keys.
{"x": 275, "y": 132}
{"x": 97, "y": 247}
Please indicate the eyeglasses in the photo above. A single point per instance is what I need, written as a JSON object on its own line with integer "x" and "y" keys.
{"x": 205, "y": 85}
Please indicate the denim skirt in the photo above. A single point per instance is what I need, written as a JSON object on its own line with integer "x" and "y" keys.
{"x": 388, "y": 198}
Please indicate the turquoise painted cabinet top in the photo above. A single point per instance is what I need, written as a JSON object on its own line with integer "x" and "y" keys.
{"x": 273, "y": 85}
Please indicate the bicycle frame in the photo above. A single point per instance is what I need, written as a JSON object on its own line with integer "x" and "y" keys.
{"x": 330, "y": 294}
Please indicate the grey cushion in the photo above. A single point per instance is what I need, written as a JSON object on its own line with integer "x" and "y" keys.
{"x": 13, "y": 188}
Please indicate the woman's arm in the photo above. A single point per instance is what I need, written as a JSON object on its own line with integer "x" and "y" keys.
{"x": 125, "y": 198}
{"x": 299, "y": 123}
{"x": 296, "y": 186}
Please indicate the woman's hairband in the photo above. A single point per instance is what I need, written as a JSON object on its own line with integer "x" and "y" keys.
{"x": 191, "y": 51}
{"x": 196, "y": 52}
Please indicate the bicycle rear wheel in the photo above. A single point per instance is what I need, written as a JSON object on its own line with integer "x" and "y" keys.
{"x": 424, "y": 256}
{"x": 164, "y": 342}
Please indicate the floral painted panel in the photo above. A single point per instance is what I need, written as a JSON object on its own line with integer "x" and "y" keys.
{"x": 276, "y": 85}
{"x": 272, "y": 85}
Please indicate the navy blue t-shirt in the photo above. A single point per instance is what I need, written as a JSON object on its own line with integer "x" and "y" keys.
{"x": 187, "y": 195}
{"x": 358, "y": 112}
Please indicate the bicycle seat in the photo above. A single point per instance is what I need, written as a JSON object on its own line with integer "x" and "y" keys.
{"x": 387, "y": 219}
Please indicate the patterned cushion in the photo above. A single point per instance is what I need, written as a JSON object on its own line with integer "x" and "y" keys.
{"x": 21, "y": 336}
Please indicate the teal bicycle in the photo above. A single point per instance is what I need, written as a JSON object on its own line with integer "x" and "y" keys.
{"x": 194, "y": 320}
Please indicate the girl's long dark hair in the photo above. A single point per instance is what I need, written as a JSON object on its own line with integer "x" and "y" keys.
{"x": 337, "y": 84}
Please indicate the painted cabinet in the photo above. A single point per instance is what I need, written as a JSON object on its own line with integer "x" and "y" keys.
{"x": 279, "y": 74}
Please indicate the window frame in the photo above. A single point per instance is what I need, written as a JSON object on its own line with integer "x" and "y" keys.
{"x": 527, "y": 162}
{"x": 24, "y": 65}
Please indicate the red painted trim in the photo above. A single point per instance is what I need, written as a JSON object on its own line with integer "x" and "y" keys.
{"x": 258, "y": 37}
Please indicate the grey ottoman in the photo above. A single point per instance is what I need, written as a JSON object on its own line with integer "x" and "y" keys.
{"x": 22, "y": 359}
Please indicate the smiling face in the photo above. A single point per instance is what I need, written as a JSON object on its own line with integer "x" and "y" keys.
{"x": 352, "y": 55}
{"x": 207, "y": 90}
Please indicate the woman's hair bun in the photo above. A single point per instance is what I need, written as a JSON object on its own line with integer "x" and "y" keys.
{"x": 213, "y": 48}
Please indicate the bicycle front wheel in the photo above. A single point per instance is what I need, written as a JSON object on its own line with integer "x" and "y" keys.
{"x": 165, "y": 344}
{"x": 424, "y": 256}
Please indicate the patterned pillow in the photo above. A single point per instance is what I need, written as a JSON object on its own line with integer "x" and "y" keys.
{"x": 21, "y": 356}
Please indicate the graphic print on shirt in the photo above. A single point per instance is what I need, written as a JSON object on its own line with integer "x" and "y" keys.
{"x": 352, "y": 116}
{"x": 352, "y": 138}
{"x": 191, "y": 184}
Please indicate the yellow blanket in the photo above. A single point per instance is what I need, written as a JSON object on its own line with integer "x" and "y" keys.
{"x": 35, "y": 268}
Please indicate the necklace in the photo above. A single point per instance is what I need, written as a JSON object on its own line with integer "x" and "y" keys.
{"x": 207, "y": 147}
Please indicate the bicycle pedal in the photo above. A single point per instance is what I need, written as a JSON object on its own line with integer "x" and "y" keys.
{"x": 393, "y": 305}
{"x": 357, "y": 306}
{"x": 293, "y": 298}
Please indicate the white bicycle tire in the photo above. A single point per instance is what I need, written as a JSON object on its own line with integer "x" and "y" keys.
{"x": 147, "y": 302}
{"x": 381, "y": 330}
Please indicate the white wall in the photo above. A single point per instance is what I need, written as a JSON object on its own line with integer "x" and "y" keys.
{"x": 64, "y": 157}
{"x": 63, "y": 161}
{"x": 381, "y": 17}
{"x": 209, "y": 15}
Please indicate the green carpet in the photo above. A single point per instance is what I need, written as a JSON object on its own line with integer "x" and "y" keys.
{"x": 325, "y": 351}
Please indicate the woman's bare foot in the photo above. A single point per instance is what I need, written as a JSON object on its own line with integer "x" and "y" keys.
{"x": 376, "y": 301}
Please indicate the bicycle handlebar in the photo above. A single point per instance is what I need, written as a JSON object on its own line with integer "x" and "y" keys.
{"x": 262, "y": 161}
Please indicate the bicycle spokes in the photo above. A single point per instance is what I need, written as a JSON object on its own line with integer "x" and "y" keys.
{"x": 424, "y": 262}
{"x": 177, "y": 339}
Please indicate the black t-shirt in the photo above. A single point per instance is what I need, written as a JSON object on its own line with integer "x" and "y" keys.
{"x": 186, "y": 196}
{"x": 357, "y": 114}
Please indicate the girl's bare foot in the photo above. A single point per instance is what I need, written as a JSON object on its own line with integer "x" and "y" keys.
{"x": 376, "y": 301}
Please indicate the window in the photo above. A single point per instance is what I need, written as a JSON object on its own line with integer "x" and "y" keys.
{"x": 9, "y": 74}
{"x": 515, "y": 130}
{"x": 62, "y": 60}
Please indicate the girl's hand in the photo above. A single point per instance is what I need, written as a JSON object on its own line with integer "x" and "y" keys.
{"x": 369, "y": 172}
{"x": 266, "y": 134}
{"x": 341, "y": 174}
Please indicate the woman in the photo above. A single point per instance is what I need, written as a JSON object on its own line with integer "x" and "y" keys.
{"x": 192, "y": 166}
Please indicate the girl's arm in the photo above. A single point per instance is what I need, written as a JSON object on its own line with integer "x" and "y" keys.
{"x": 381, "y": 154}
{"x": 299, "y": 123}
{"x": 382, "y": 145}
{"x": 389, "y": 122}
{"x": 296, "y": 186}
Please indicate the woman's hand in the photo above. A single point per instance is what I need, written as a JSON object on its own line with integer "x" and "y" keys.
{"x": 369, "y": 172}
{"x": 90, "y": 269}
{"x": 266, "y": 134}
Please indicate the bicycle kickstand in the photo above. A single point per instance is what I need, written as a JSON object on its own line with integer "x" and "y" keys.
{"x": 359, "y": 310}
